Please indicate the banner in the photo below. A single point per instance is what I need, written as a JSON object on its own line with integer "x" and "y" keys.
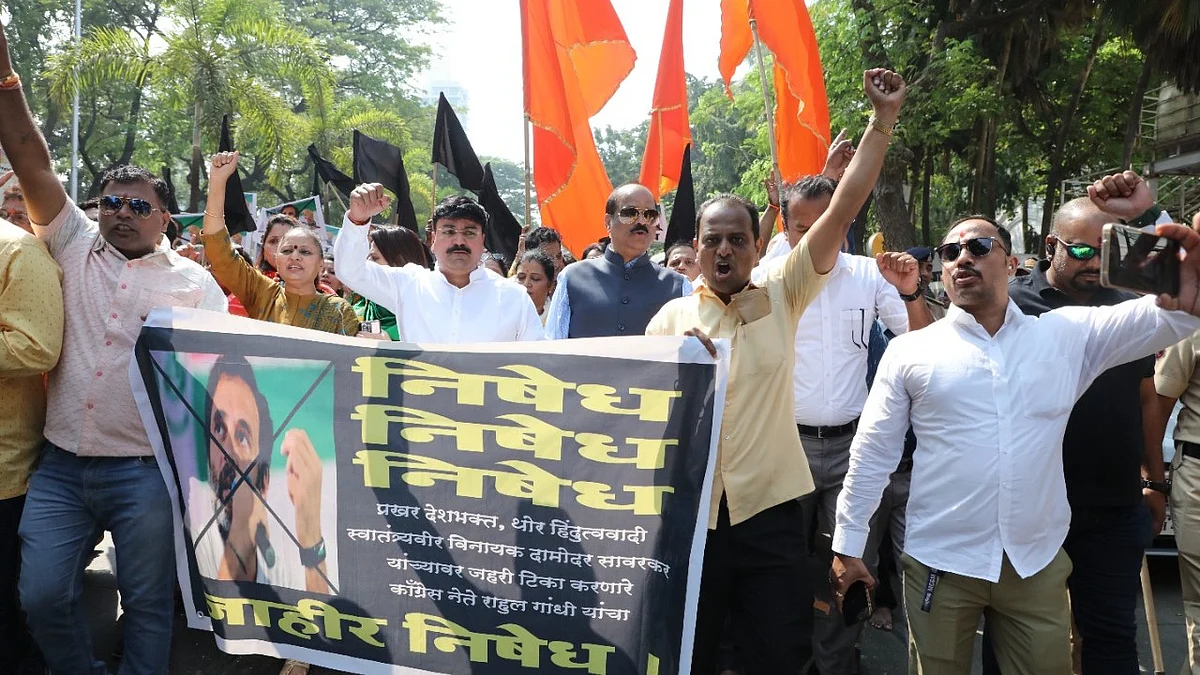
{"x": 382, "y": 507}
{"x": 309, "y": 212}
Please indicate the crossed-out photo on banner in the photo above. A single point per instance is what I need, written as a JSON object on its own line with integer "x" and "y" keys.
{"x": 254, "y": 506}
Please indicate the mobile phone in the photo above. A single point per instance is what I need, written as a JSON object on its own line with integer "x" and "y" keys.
{"x": 369, "y": 326}
{"x": 856, "y": 605}
{"x": 1139, "y": 261}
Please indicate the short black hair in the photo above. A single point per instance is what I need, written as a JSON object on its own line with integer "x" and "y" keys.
{"x": 238, "y": 368}
{"x": 672, "y": 247}
{"x": 459, "y": 207}
{"x": 542, "y": 235}
{"x": 1005, "y": 235}
{"x": 127, "y": 174}
{"x": 542, "y": 259}
{"x": 808, "y": 187}
{"x": 729, "y": 198}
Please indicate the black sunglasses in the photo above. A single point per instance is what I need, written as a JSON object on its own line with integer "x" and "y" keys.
{"x": 978, "y": 247}
{"x": 111, "y": 204}
{"x": 1080, "y": 251}
{"x": 630, "y": 214}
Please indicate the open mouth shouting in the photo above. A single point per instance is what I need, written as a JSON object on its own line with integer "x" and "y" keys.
{"x": 722, "y": 269}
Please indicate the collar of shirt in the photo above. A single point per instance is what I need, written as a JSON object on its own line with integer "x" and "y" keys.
{"x": 477, "y": 275}
{"x": 1013, "y": 316}
{"x": 1039, "y": 283}
{"x": 614, "y": 257}
{"x": 162, "y": 255}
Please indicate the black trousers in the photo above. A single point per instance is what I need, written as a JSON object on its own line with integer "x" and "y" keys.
{"x": 12, "y": 623}
{"x": 755, "y": 573}
{"x": 1106, "y": 546}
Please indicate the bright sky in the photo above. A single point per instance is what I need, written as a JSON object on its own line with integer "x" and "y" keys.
{"x": 480, "y": 48}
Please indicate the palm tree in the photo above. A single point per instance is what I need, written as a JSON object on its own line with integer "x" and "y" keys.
{"x": 211, "y": 57}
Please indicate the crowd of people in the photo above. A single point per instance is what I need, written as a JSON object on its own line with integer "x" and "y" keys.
{"x": 993, "y": 453}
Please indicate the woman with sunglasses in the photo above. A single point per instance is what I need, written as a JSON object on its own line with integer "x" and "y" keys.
{"x": 291, "y": 299}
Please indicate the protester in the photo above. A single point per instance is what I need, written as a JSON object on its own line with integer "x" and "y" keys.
{"x": 97, "y": 470}
{"x": 31, "y": 326}
{"x": 924, "y": 257}
{"x": 595, "y": 250}
{"x": 459, "y": 301}
{"x": 830, "y": 379}
{"x": 391, "y": 246}
{"x": 329, "y": 276}
{"x": 1114, "y": 510}
{"x": 617, "y": 293}
{"x": 294, "y": 298}
{"x": 290, "y": 210}
{"x": 544, "y": 239}
{"x": 988, "y": 391}
{"x": 681, "y": 257}
{"x": 756, "y": 556}
{"x": 493, "y": 262}
{"x": 275, "y": 229}
{"x": 535, "y": 271}
{"x": 12, "y": 208}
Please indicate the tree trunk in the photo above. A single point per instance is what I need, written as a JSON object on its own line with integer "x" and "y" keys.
{"x": 1134, "y": 124}
{"x": 196, "y": 163}
{"x": 858, "y": 228}
{"x": 890, "y": 209}
{"x": 926, "y": 237}
{"x": 1055, "y": 175}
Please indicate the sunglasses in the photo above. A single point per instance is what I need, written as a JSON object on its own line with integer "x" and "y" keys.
{"x": 111, "y": 204}
{"x": 978, "y": 247}
{"x": 1080, "y": 251}
{"x": 630, "y": 214}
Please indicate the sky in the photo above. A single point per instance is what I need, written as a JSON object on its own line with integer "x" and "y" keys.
{"x": 480, "y": 48}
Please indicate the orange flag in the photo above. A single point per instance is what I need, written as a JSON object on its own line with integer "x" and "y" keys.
{"x": 669, "y": 131}
{"x": 801, "y": 106}
{"x": 576, "y": 54}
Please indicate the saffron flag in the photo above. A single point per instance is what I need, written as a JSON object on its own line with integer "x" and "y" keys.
{"x": 801, "y": 108}
{"x": 452, "y": 149}
{"x": 669, "y": 131}
{"x": 575, "y": 54}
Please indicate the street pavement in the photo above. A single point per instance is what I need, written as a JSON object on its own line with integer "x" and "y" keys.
{"x": 883, "y": 653}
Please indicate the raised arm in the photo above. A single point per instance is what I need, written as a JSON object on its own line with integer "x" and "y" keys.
{"x": 382, "y": 285}
{"x": 886, "y": 91}
{"x": 26, "y": 149}
{"x": 252, "y": 287}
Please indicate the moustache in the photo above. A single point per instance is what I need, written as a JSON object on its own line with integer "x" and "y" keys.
{"x": 639, "y": 228}
{"x": 458, "y": 248}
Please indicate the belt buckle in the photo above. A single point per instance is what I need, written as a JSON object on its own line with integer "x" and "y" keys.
{"x": 821, "y": 433}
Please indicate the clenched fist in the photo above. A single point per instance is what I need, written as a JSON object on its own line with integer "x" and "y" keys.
{"x": 367, "y": 201}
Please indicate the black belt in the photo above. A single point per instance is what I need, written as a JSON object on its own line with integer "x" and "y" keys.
{"x": 1189, "y": 449}
{"x": 828, "y": 432}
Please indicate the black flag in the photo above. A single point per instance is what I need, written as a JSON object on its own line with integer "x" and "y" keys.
{"x": 453, "y": 150}
{"x": 237, "y": 214}
{"x": 326, "y": 172}
{"x": 503, "y": 230}
{"x": 172, "y": 202}
{"x": 682, "y": 226}
{"x": 380, "y": 162}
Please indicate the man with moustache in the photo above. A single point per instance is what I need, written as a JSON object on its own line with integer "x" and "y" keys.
{"x": 1115, "y": 479}
{"x": 457, "y": 302}
{"x": 618, "y": 292}
{"x": 988, "y": 392}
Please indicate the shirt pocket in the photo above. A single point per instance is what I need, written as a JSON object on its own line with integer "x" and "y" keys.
{"x": 1047, "y": 392}
{"x": 853, "y": 330}
{"x": 760, "y": 348}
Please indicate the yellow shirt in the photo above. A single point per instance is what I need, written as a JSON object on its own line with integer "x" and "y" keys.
{"x": 760, "y": 463}
{"x": 31, "y": 333}
{"x": 266, "y": 299}
{"x": 1176, "y": 376}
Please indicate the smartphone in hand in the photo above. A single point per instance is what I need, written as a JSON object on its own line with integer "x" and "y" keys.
{"x": 1139, "y": 261}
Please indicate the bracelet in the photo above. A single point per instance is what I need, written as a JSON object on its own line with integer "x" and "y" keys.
{"x": 1148, "y": 218}
{"x": 208, "y": 213}
{"x": 12, "y": 81}
{"x": 355, "y": 222}
{"x": 881, "y": 127}
{"x": 915, "y": 295}
{"x": 312, "y": 557}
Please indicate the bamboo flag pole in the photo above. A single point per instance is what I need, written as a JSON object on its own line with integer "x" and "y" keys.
{"x": 1156, "y": 654}
{"x": 767, "y": 103}
{"x": 528, "y": 179}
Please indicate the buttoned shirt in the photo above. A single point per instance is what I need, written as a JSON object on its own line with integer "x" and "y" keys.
{"x": 428, "y": 307}
{"x": 830, "y": 378}
{"x": 31, "y": 327}
{"x": 989, "y": 413}
{"x": 558, "y": 312}
{"x": 1176, "y": 376}
{"x": 760, "y": 463}
{"x": 107, "y": 297}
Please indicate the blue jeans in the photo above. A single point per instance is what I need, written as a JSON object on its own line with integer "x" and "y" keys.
{"x": 71, "y": 498}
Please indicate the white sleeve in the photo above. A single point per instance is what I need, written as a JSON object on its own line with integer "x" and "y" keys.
{"x": 382, "y": 285}
{"x": 888, "y": 306}
{"x": 214, "y": 298}
{"x": 1130, "y": 330}
{"x": 874, "y": 455}
{"x": 558, "y": 314}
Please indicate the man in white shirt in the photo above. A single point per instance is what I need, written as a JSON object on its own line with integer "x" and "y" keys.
{"x": 988, "y": 392}
{"x": 830, "y": 378}
{"x": 457, "y": 302}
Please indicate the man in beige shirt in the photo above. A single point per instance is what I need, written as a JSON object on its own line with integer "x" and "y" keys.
{"x": 97, "y": 469}
{"x": 754, "y": 559}
{"x": 31, "y": 326}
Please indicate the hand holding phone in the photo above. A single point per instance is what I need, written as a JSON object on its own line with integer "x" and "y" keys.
{"x": 1139, "y": 261}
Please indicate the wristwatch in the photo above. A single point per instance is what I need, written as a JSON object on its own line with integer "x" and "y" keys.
{"x": 1148, "y": 218}
{"x": 1157, "y": 485}
{"x": 915, "y": 295}
{"x": 312, "y": 557}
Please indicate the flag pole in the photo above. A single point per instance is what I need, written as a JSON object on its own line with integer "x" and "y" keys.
{"x": 433, "y": 193}
{"x": 767, "y": 105}
{"x": 528, "y": 178}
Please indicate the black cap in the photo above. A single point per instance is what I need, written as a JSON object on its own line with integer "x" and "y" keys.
{"x": 921, "y": 253}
